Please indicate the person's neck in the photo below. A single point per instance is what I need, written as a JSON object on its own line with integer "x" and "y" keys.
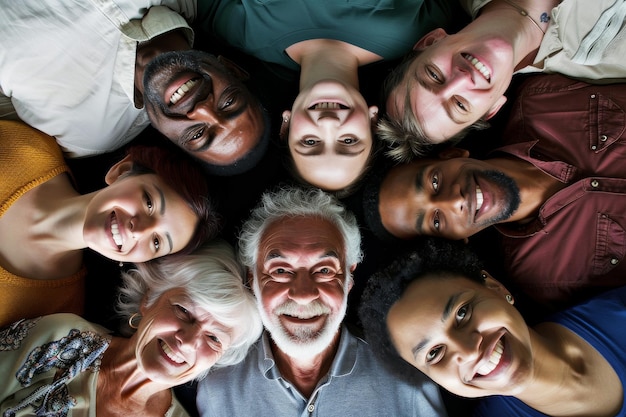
{"x": 123, "y": 389}
{"x": 519, "y": 31}
{"x": 565, "y": 374}
{"x": 147, "y": 51}
{"x": 60, "y": 215}
{"x": 305, "y": 372}
{"x": 535, "y": 186}
{"x": 324, "y": 59}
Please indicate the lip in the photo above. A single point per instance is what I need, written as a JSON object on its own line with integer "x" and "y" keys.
{"x": 109, "y": 234}
{"x": 504, "y": 363}
{"x": 469, "y": 57}
{"x": 178, "y": 82}
{"x": 342, "y": 105}
{"x": 484, "y": 188}
{"x": 160, "y": 344}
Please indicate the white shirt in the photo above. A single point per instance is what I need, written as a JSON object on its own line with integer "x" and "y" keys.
{"x": 592, "y": 31}
{"x": 69, "y": 65}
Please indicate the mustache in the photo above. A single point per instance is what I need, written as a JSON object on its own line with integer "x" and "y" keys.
{"x": 314, "y": 309}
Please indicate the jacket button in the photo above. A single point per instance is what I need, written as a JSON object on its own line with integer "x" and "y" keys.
{"x": 594, "y": 183}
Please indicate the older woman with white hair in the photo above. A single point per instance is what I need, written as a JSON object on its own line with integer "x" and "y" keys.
{"x": 187, "y": 314}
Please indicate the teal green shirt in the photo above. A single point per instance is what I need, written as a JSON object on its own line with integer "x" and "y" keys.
{"x": 266, "y": 28}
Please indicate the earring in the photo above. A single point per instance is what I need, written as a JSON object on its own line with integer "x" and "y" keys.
{"x": 509, "y": 299}
{"x": 285, "y": 119}
{"x": 121, "y": 264}
{"x": 132, "y": 319}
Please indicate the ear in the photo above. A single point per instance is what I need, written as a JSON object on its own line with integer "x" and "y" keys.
{"x": 373, "y": 114}
{"x": 452, "y": 152}
{"x": 429, "y": 39}
{"x": 233, "y": 68}
{"x": 117, "y": 170}
{"x": 495, "y": 108}
{"x": 494, "y": 284}
{"x": 284, "y": 125}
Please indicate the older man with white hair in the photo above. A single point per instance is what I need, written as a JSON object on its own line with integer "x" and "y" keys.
{"x": 301, "y": 247}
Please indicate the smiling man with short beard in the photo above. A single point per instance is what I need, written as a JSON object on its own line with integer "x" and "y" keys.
{"x": 300, "y": 247}
{"x": 555, "y": 189}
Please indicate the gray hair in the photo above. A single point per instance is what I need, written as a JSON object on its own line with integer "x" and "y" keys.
{"x": 212, "y": 278}
{"x": 292, "y": 201}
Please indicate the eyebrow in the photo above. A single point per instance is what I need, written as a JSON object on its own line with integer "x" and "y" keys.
{"x": 447, "y": 310}
{"x": 162, "y": 212}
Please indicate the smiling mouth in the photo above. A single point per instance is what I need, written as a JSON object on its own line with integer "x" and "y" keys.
{"x": 327, "y": 105}
{"x": 494, "y": 360}
{"x": 115, "y": 232}
{"x": 182, "y": 90}
{"x": 174, "y": 357}
{"x": 479, "y": 198}
{"x": 480, "y": 67}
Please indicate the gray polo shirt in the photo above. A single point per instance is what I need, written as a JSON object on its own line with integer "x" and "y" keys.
{"x": 357, "y": 385}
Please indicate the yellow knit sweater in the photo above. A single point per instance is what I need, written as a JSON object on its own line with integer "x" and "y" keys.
{"x": 29, "y": 158}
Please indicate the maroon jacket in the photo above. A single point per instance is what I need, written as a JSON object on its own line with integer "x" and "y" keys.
{"x": 576, "y": 133}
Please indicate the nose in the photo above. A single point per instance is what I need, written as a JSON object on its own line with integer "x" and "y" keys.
{"x": 453, "y": 201}
{"x": 303, "y": 288}
{"x": 467, "y": 347}
{"x": 189, "y": 337}
{"x": 204, "y": 111}
{"x": 458, "y": 81}
{"x": 142, "y": 225}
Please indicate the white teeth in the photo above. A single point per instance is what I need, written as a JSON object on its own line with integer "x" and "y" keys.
{"x": 494, "y": 360}
{"x": 182, "y": 90}
{"x": 479, "y": 198}
{"x": 115, "y": 232}
{"x": 327, "y": 105}
{"x": 479, "y": 66}
{"x": 171, "y": 354}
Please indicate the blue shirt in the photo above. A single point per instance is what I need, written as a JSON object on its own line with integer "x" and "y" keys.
{"x": 600, "y": 322}
{"x": 357, "y": 385}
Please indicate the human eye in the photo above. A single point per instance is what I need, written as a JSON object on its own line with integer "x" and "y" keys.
{"x": 349, "y": 141}
{"x": 434, "y": 74}
{"x": 156, "y": 242}
{"x": 280, "y": 273}
{"x": 182, "y": 312}
{"x": 198, "y": 133}
{"x": 148, "y": 201}
{"x": 230, "y": 99}
{"x": 437, "y": 221}
{"x": 433, "y": 354}
{"x": 435, "y": 181}
{"x": 460, "y": 103}
{"x": 462, "y": 313}
{"x": 195, "y": 139}
{"x": 308, "y": 142}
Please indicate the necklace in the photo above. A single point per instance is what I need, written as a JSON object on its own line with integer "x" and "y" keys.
{"x": 525, "y": 14}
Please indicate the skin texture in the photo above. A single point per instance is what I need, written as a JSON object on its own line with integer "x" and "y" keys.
{"x": 460, "y": 78}
{"x": 194, "y": 340}
{"x": 441, "y": 197}
{"x": 453, "y": 347}
{"x": 217, "y": 120}
{"x": 300, "y": 284}
{"x": 152, "y": 219}
{"x": 331, "y": 145}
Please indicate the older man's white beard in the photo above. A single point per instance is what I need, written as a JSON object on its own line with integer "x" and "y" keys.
{"x": 304, "y": 342}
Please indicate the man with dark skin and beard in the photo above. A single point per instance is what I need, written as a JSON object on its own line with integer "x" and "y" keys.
{"x": 555, "y": 191}
{"x": 82, "y": 81}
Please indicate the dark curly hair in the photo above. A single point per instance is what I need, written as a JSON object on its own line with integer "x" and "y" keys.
{"x": 425, "y": 257}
